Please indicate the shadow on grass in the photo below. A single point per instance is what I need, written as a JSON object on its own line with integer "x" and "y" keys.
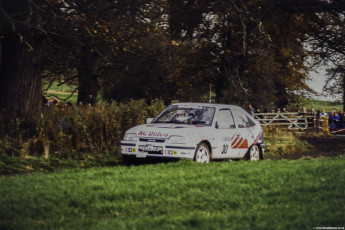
{"x": 134, "y": 161}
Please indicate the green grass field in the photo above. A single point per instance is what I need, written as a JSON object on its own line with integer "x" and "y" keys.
{"x": 328, "y": 106}
{"x": 271, "y": 194}
{"x": 63, "y": 92}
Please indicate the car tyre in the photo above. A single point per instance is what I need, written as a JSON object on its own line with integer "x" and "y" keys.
{"x": 253, "y": 153}
{"x": 202, "y": 154}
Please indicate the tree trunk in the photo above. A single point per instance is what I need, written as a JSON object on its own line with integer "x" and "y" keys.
{"x": 343, "y": 92}
{"x": 20, "y": 76}
{"x": 87, "y": 78}
{"x": 281, "y": 94}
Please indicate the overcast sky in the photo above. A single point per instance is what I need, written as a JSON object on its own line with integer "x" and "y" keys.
{"x": 317, "y": 82}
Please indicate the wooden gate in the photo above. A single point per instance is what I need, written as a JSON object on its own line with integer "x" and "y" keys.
{"x": 301, "y": 121}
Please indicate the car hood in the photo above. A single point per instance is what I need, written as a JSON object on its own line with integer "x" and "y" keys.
{"x": 164, "y": 130}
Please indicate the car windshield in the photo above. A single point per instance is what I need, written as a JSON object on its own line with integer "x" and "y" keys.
{"x": 187, "y": 114}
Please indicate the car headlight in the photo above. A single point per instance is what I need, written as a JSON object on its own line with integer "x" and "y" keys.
{"x": 130, "y": 137}
{"x": 176, "y": 140}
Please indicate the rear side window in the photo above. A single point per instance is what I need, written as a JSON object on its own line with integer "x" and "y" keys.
{"x": 225, "y": 119}
{"x": 243, "y": 119}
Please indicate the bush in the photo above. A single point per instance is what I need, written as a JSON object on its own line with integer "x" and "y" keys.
{"x": 67, "y": 132}
{"x": 282, "y": 143}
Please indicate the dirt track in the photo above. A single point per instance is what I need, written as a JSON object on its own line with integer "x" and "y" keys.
{"x": 326, "y": 146}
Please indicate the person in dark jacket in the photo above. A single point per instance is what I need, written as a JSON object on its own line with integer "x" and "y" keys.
{"x": 90, "y": 100}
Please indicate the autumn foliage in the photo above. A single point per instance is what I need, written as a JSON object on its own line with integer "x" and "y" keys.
{"x": 75, "y": 131}
{"x": 257, "y": 52}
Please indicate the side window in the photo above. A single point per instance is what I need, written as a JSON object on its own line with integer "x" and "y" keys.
{"x": 225, "y": 119}
{"x": 243, "y": 119}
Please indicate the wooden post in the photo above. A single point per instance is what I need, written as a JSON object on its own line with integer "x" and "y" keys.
{"x": 325, "y": 126}
{"x": 317, "y": 120}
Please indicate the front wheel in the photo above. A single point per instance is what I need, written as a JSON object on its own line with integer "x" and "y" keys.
{"x": 254, "y": 153}
{"x": 202, "y": 153}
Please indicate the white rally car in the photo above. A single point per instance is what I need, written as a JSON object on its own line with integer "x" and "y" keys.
{"x": 198, "y": 131}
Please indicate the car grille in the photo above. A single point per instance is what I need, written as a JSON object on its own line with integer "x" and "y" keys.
{"x": 152, "y": 140}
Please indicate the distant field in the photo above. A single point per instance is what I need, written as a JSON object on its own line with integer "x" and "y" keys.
{"x": 328, "y": 106}
{"x": 271, "y": 194}
{"x": 63, "y": 92}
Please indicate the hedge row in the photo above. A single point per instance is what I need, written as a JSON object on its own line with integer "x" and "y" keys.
{"x": 66, "y": 131}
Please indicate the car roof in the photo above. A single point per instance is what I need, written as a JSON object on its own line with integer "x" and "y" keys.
{"x": 217, "y": 106}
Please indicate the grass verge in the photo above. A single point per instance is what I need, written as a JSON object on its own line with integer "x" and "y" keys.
{"x": 284, "y": 194}
{"x": 29, "y": 164}
{"x": 281, "y": 143}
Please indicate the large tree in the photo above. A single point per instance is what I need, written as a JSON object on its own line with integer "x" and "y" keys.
{"x": 326, "y": 39}
{"x": 112, "y": 44}
{"x": 251, "y": 46}
{"x": 251, "y": 51}
{"x": 22, "y": 52}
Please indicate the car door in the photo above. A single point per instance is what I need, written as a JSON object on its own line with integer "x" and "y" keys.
{"x": 226, "y": 133}
{"x": 245, "y": 126}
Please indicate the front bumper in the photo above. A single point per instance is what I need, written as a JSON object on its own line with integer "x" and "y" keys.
{"x": 143, "y": 150}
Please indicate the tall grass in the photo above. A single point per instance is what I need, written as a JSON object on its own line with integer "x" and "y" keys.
{"x": 75, "y": 130}
{"x": 282, "y": 143}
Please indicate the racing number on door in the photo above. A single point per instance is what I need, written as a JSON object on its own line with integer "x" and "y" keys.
{"x": 225, "y": 149}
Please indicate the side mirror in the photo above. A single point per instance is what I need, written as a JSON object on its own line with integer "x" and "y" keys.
{"x": 149, "y": 120}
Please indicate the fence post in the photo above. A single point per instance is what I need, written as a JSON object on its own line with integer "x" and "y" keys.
{"x": 317, "y": 120}
{"x": 325, "y": 125}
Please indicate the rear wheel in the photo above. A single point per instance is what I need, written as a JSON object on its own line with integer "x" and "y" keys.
{"x": 202, "y": 153}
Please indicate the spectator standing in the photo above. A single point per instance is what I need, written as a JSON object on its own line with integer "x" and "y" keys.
{"x": 55, "y": 100}
{"x": 330, "y": 120}
{"x": 340, "y": 124}
{"x": 50, "y": 103}
{"x": 251, "y": 110}
{"x": 44, "y": 100}
{"x": 343, "y": 119}
{"x": 335, "y": 120}
{"x": 323, "y": 113}
{"x": 90, "y": 100}
{"x": 259, "y": 116}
